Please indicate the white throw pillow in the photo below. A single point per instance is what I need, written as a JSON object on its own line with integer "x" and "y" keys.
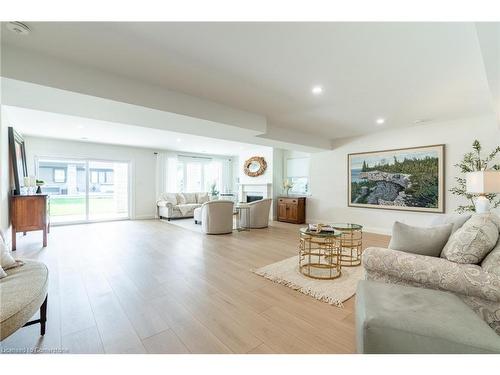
{"x": 189, "y": 198}
{"x": 170, "y": 198}
{"x": 6, "y": 260}
{"x": 2, "y": 273}
{"x": 427, "y": 241}
{"x": 181, "y": 198}
{"x": 473, "y": 241}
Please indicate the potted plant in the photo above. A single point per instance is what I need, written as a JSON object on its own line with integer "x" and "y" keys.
{"x": 472, "y": 162}
{"x": 214, "y": 193}
{"x": 287, "y": 185}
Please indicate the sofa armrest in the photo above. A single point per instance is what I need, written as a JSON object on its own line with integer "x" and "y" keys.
{"x": 431, "y": 272}
{"x": 161, "y": 203}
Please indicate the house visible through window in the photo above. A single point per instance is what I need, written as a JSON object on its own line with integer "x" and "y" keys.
{"x": 59, "y": 175}
{"x": 94, "y": 177}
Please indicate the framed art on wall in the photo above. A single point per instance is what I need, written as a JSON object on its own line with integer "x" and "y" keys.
{"x": 410, "y": 179}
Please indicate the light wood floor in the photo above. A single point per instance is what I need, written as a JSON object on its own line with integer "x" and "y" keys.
{"x": 153, "y": 287}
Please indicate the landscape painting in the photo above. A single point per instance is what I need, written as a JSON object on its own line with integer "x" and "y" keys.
{"x": 409, "y": 179}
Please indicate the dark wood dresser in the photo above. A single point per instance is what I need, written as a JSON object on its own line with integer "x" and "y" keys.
{"x": 29, "y": 213}
{"x": 292, "y": 209}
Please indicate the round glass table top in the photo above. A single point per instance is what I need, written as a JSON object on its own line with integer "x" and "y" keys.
{"x": 346, "y": 226}
{"x": 325, "y": 234}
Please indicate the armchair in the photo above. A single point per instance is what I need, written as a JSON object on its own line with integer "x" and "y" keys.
{"x": 259, "y": 214}
{"x": 217, "y": 217}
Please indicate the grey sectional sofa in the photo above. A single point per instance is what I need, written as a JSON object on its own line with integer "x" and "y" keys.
{"x": 475, "y": 287}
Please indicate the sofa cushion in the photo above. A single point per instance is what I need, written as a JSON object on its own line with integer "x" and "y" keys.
{"x": 492, "y": 261}
{"x": 169, "y": 197}
{"x": 2, "y": 273}
{"x": 401, "y": 319}
{"x": 202, "y": 198}
{"x": 457, "y": 220}
{"x": 419, "y": 240}
{"x": 186, "y": 198}
{"x": 187, "y": 209}
{"x": 473, "y": 241}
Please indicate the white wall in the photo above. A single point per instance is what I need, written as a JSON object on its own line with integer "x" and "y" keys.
{"x": 328, "y": 201}
{"x": 142, "y": 163}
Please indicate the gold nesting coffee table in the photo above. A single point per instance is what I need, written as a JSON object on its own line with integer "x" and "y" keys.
{"x": 319, "y": 254}
{"x": 351, "y": 240}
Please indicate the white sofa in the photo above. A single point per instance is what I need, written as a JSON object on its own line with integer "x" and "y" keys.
{"x": 259, "y": 214}
{"x": 179, "y": 205}
{"x": 216, "y": 217}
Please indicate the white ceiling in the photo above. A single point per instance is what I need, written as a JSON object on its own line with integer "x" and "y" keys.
{"x": 402, "y": 72}
{"x": 52, "y": 125}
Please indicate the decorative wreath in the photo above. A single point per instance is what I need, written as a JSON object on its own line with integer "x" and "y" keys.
{"x": 255, "y": 159}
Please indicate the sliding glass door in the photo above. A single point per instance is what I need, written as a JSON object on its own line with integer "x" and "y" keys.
{"x": 85, "y": 190}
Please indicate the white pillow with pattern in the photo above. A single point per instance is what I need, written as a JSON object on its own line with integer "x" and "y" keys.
{"x": 474, "y": 240}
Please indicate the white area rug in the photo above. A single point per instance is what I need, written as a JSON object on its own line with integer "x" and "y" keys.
{"x": 187, "y": 223}
{"x": 334, "y": 292}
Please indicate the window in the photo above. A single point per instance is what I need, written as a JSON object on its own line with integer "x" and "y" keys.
{"x": 85, "y": 190}
{"x": 94, "y": 177}
{"x": 59, "y": 175}
{"x": 109, "y": 177}
{"x": 194, "y": 176}
{"x": 298, "y": 173}
{"x": 199, "y": 174}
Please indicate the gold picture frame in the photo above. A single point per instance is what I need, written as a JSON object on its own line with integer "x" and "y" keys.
{"x": 382, "y": 179}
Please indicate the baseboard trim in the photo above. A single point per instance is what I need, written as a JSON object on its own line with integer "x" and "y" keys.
{"x": 144, "y": 217}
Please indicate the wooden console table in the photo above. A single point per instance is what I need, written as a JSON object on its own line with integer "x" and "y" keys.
{"x": 29, "y": 213}
{"x": 292, "y": 209}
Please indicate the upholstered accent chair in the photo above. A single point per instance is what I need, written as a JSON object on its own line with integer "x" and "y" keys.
{"x": 259, "y": 214}
{"x": 23, "y": 292}
{"x": 216, "y": 217}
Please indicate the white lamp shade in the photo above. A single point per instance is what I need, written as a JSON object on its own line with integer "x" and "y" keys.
{"x": 483, "y": 182}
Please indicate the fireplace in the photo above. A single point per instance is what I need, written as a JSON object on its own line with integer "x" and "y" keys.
{"x": 253, "y": 198}
{"x": 262, "y": 191}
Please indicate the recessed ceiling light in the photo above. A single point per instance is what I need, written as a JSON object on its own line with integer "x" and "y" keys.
{"x": 18, "y": 27}
{"x": 178, "y": 139}
{"x": 317, "y": 90}
{"x": 380, "y": 121}
{"x": 80, "y": 126}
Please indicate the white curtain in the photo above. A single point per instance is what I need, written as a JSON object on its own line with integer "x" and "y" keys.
{"x": 227, "y": 176}
{"x": 161, "y": 173}
{"x": 171, "y": 183}
{"x": 166, "y": 173}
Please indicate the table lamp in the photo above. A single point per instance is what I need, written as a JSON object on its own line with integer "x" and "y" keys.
{"x": 482, "y": 183}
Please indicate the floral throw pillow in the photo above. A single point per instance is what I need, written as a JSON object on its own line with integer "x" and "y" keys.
{"x": 473, "y": 241}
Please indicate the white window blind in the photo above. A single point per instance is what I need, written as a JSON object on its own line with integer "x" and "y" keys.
{"x": 298, "y": 167}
